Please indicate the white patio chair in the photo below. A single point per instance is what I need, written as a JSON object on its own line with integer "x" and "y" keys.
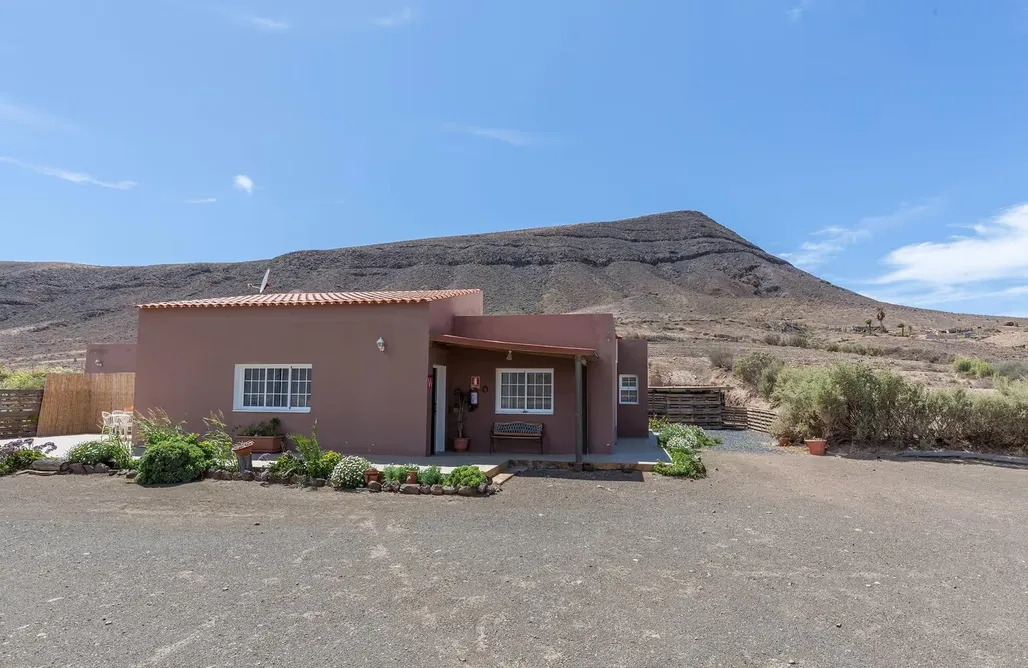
{"x": 107, "y": 426}
{"x": 121, "y": 422}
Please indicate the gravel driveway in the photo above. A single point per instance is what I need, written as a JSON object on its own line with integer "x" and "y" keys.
{"x": 819, "y": 560}
{"x": 740, "y": 440}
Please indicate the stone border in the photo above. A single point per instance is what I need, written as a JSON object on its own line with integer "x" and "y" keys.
{"x": 296, "y": 480}
{"x": 50, "y": 466}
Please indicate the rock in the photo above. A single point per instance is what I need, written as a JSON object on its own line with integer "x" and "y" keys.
{"x": 121, "y": 472}
{"x": 101, "y": 468}
{"x": 374, "y": 486}
{"x": 248, "y": 476}
{"x": 262, "y": 476}
{"x": 131, "y": 474}
{"x": 48, "y": 464}
{"x": 410, "y": 488}
{"x": 77, "y": 468}
{"x": 467, "y": 491}
{"x": 437, "y": 490}
{"x": 89, "y": 469}
{"x": 33, "y": 472}
{"x": 320, "y": 482}
{"x": 426, "y": 489}
{"x": 237, "y": 475}
{"x": 296, "y": 479}
{"x": 587, "y": 467}
{"x": 491, "y": 489}
{"x": 389, "y": 486}
{"x": 449, "y": 490}
{"x": 481, "y": 488}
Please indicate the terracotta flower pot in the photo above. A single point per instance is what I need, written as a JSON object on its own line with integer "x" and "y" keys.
{"x": 263, "y": 443}
{"x": 412, "y": 477}
{"x": 243, "y": 449}
{"x": 460, "y": 444}
{"x": 784, "y": 441}
{"x": 370, "y": 475}
{"x": 816, "y": 446}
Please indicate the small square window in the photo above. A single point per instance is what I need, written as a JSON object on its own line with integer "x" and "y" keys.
{"x": 628, "y": 389}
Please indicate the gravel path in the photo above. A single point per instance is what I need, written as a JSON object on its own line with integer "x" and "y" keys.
{"x": 822, "y": 561}
{"x": 735, "y": 440}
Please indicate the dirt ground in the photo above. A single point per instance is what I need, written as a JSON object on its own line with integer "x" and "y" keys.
{"x": 776, "y": 558}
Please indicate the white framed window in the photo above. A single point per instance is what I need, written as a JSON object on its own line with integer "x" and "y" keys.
{"x": 628, "y": 388}
{"x": 272, "y": 388}
{"x": 524, "y": 391}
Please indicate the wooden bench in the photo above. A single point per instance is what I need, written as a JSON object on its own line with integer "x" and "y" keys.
{"x": 516, "y": 431}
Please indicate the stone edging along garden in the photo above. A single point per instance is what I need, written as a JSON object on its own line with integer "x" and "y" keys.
{"x": 49, "y": 467}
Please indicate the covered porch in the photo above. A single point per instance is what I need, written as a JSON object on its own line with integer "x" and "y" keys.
{"x": 519, "y": 381}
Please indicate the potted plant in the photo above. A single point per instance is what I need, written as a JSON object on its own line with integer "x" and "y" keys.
{"x": 815, "y": 446}
{"x": 371, "y": 475}
{"x": 412, "y": 476}
{"x": 460, "y": 408}
{"x": 265, "y": 435}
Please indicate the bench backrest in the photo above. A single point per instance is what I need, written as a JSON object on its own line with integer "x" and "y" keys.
{"x": 518, "y": 428}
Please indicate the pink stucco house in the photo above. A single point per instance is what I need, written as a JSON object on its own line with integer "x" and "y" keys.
{"x": 378, "y": 370}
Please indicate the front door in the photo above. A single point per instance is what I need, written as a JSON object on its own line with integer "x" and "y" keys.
{"x": 438, "y": 409}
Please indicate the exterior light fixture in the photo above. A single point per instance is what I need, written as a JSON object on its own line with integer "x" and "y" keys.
{"x": 98, "y": 363}
{"x": 509, "y": 356}
{"x": 381, "y": 344}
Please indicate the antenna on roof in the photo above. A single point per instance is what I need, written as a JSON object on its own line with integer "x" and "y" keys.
{"x": 264, "y": 283}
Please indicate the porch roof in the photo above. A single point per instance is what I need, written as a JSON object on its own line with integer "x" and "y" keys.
{"x": 513, "y": 346}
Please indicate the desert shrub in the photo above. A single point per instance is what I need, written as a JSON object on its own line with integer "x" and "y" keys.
{"x": 854, "y": 403}
{"x": 758, "y": 370}
{"x": 773, "y": 339}
{"x": 685, "y": 463}
{"x": 797, "y": 341}
{"x": 973, "y": 367}
{"x": 349, "y": 472}
{"x": 720, "y": 358}
{"x": 19, "y": 454}
{"x": 1012, "y": 370}
{"x": 833, "y": 347}
{"x": 109, "y": 451}
{"x": 171, "y": 462}
{"x": 467, "y": 476}
{"x": 431, "y": 476}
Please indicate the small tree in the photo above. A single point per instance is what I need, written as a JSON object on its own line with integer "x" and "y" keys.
{"x": 880, "y": 315}
{"x": 460, "y": 407}
{"x": 902, "y": 327}
{"x": 869, "y": 322}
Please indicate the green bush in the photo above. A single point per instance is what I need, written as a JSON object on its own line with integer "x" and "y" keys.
{"x": 110, "y": 451}
{"x": 720, "y": 358}
{"x": 349, "y": 472}
{"x": 171, "y": 462}
{"x": 287, "y": 465}
{"x": 1012, "y": 370}
{"x": 156, "y": 427}
{"x": 398, "y": 473}
{"x": 430, "y": 476}
{"x": 313, "y": 461}
{"x": 263, "y": 428}
{"x": 216, "y": 444}
{"x": 855, "y": 403}
{"x": 685, "y": 463}
{"x": 973, "y": 367}
{"x": 327, "y": 464}
{"x": 694, "y": 437}
{"x": 758, "y": 370}
{"x": 26, "y": 379}
{"x": 19, "y": 460}
{"x": 466, "y": 476}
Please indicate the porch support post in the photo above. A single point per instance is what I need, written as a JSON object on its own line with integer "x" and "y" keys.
{"x": 579, "y": 411}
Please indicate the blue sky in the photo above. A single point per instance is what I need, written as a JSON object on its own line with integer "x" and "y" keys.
{"x": 879, "y": 144}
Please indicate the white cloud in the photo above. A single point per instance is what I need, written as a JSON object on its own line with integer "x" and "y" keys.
{"x": 997, "y": 251}
{"x": 264, "y": 23}
{"x": 202, "y": 200}
{"x": 244, "y": 183}
{"x": 798, "y": 10}
{"x": 396, "y": 19}
{"x": 22, "y": 115}
{"x": 833, "y": 240}
{"x": 512, "y": 137}
{"x": 73, "y": 177}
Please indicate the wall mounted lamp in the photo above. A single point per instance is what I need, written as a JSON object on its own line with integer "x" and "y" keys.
{"x": 381, "y": 344}
{"x": 509, "y": 356}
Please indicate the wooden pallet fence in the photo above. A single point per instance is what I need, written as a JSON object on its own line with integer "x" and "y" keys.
{"x": 19, "y": 412}
{"x": 73, "y": 402}
{"x": 754, "y": 419}
{"x": 700, "y": 406}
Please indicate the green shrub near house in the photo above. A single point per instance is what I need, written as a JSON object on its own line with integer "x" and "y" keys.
{"x": 109, "y": 451}
{"x": 432, "y": 475}
{"x": 349, "y": 472}
{"x": 466, "y": 476}
{"x": 18, "y": 460}
{"x": 171, "y": 462}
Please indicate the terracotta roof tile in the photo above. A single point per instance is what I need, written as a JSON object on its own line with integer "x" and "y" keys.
{"x": 317, "y": 299}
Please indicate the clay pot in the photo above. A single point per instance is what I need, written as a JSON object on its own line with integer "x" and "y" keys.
{"x": 371, "y": 475}
{"x": 242, "y": 449}
{"x": 784, "y": 441}
{"x": 816, "y": 446}
{"x": 412, "y": 477}
{"x": 460, "y": 444}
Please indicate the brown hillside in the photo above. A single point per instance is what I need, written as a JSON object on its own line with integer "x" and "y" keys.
{"x": 678, "y": 277}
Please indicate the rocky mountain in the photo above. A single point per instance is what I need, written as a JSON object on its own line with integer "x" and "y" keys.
{"x": 651, "y": 270}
